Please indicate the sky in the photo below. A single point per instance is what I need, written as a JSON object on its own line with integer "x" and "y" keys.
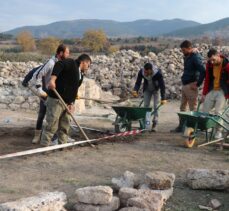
{"x": 16, "y": 13}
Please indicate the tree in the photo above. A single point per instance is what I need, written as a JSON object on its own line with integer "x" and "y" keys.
{"x": 95, "y": 40}
{"x": 26, "y": 41}
{"x": 48, "y": 45}
{"x": 5, "y": 36}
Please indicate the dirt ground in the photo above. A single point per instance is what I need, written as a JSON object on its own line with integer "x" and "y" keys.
{"x": 83, "y": 166}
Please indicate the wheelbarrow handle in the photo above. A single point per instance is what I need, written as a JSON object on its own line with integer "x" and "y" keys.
{"x": 141, "y": 103}
{"x": 156, "y": 109}
{"x": 198, "y": 105}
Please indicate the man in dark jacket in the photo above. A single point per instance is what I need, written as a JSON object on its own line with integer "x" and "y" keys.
{"x": 192, "y": 78}
{"x": 216, "y": 85}
{"x": 153, "y": 81}
{"x": 66, "y": 79}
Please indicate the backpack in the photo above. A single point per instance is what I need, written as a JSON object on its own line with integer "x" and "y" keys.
{"x": 29, "y": 75}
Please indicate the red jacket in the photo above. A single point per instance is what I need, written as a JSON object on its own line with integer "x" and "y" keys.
{"x": 224, "y": 78}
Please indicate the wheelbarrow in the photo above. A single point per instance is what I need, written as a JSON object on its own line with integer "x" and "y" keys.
{"x": 126, "y": 115}
{"x": 195, "y": 121}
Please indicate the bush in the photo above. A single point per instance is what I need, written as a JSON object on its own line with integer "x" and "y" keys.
{"x": 95, "y": 40}
{"x": 26, "y": 41}
{"x": 112, "y": 49}
{"x": 48, "y": 45}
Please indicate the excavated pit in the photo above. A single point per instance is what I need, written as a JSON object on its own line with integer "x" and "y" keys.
{"x": 16, "y": 139}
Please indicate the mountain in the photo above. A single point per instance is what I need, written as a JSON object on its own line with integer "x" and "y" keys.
{"x": 76, "y": 28}
{"x": 217, "y": 28}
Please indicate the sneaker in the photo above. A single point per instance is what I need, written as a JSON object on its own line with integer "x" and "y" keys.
{"x": 218, "y": 135}
{"x": 54, "y": 142}
{"x": 70, "y": 140}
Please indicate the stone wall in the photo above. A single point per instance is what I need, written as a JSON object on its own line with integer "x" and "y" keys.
{"x": 120, "y": 69}
{"x": 112, "y": 73}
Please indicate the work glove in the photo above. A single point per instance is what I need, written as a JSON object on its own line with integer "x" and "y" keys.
{"x": 163, "y": 102}
{"x": 134, "y": 93}
{"x": 77, "y": 97}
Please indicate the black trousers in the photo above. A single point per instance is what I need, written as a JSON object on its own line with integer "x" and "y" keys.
{"x": 41, "y": 115}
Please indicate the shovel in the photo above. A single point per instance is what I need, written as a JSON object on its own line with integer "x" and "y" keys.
{"x": 99, "y": 100}
{"x": 73, "y": 118}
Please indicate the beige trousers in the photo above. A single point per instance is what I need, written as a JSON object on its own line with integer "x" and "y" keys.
{"x": 57, "y": 120}
{"x": 188, "y": 98}
{"x": 214, "y": 99}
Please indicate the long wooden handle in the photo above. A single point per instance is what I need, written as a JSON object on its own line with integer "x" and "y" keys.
{"x": 73, "y": 118}
{"x": 98, "y": 100}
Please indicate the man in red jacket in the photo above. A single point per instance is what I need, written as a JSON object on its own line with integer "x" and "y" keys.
{"x": 216, "y": 85}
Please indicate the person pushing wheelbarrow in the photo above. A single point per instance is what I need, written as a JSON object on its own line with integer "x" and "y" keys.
{"x": 153, "y": 81}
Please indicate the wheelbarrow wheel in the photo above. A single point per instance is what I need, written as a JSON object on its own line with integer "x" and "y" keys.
{"x": 122, "y": 125}
{"x": 191, "y": 139}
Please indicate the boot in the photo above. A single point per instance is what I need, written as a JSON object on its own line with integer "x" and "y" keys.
{"x": 37, "y": 137}
{"x": 179, "y": 128}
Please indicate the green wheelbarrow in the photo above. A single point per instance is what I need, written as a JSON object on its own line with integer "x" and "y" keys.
{"x": 126, "y": 115}
{"x": 195, "y": 121}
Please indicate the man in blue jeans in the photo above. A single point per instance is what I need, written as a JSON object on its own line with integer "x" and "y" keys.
{"x": 153, "y": 81}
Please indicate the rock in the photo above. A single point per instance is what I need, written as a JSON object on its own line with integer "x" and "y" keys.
{"x": 201, "y": 207}
{"x": 14, "y": 107}
{"x": 25, "y": 106}
{"x": 171, "y": 67}
{"x": 144, "y": 187}
{"x": 133, "y": 209}
{"x": 127, "y": 193}
{"x": 117, "y": 91}
{"x": 149, "y": 200}
{"x": 159, "y": 180}
{"x": 208, "y": 179}
{"x": 32, "y": 99}
{"x": 128, "y": 180}
{"x": 3, "y": 106}
{"x": 5, "y": 100}
{"x": 114, "y": 205}
{"x": 94, "y": 195}
{"x": 44, "y": 201}
{"x": 19, "y": 100}
{"x": 79, "y": 106}
{"x": 152, "y": 56}
{"x": 215, "y": 204}
{"x": 166, "y": 194}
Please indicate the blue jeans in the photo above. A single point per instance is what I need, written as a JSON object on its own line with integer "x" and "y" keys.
{"x": 147, "y": 98}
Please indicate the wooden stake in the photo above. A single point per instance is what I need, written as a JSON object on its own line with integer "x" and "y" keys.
{"x": 211, "y": 142}
{"x": 45, "y": 149}
{"x": 97, "y": 100}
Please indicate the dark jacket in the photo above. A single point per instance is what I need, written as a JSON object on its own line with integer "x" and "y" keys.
{"x": 67, "y": 82}
{"x": 224, "y": 78}
{"x": 157, "y": 79}
{"x": 194, "y": 70}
